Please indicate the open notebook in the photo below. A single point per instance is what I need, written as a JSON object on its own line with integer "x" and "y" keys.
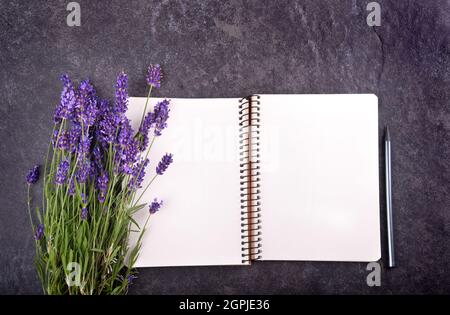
{"x": 266, "y": 177}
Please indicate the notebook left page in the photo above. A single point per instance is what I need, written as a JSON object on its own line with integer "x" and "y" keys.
{"x": 199, "y": 222}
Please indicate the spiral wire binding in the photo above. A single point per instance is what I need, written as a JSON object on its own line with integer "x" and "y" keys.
{"x": 249, "y": 123}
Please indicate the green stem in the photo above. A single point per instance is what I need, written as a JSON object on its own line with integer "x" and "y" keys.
{"x": 29, "y": 208}
{"x": 46, "y": 165}
{"x": 142, "y": 166}
{"x": 145, "y": 107}
{"x": 154, "y": 177}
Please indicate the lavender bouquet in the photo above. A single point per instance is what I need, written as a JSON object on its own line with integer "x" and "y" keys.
{"x": 94, "y": 167}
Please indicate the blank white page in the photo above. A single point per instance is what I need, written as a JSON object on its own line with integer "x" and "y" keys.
{"x": 199, "y": 222}
{"x": 319, "y": 177}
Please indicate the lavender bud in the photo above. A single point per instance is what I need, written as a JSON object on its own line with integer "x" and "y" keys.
{"x": 164, "y": 164}
{"x": 61, "y": 173}
{"x": 84, "y": 213}
{"x": 33, "y": 175}
{"x": 154, "y": 76}
{"x": 155, "y": 205}
{"x": 39, "y": 232}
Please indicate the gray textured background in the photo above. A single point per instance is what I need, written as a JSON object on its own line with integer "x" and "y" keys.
{"x": 213, "y": 49}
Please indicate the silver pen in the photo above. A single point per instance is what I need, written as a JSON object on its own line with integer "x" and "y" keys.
{"x": 390, "y": 225}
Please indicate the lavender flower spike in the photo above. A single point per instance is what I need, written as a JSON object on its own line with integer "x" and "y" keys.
{"x": 154, "y": 76}
{"x": 138, "y": 174}
{"x": 102, "y": 185}
{"x": 131, "y": 279}
{"x": 164, "y": 164}
{"x": 84, "y": 213}
{"x": 155, "y": 205}
{"x": 68, "y": 99}
{"x": 86, "y": 107}
{"x": 63, "y": 141}
{"x": 33, "y": 175}
{"x": 61, "y": 173}
{"x": 39, "y": 232}
{"x": 144, "y": 129}
{"x": 160, "y": 116}
{"x": 121, "y": 96}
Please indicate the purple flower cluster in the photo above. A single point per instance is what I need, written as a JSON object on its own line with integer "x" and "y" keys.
{"x": 84, "y": 213}
{"x": 121, "y": 95}
{"x": 33, "y": 175}
{"x": 63, "y": 141}
{"x": 95, "y": 142}
{"x": 66, "y": 106}
{"x": 75, "y": 133}
{"x": 102, "y": 186}
{"x": 144, "y": 130}
{"x": 106, "y": 128}
{"x": 61, "y": 173}
{"x": 138, "y": 174}
{"x": 131, "y": 279}
{"x": 154, "y": 76}
{"x": 86, "y": 106}
{"x": 83, "y": 171}
{"x": 155, "y": 205}
{"x": 127, "y": 148}
{"x": 39, "y": 232}
{"x": 161, "y": 114}
{"x": 164, "y": 164}
{"x": 156, "y": 119}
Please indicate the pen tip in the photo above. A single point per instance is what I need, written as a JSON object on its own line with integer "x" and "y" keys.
{"x": 387, "y": 134}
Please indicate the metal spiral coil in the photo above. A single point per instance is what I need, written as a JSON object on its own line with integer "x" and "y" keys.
{"x": 251, "y": 233}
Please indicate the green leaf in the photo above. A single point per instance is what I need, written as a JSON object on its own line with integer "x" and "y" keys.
{"x": 134, "y": 222}
{"x": 135, "y": 209}
{"x": 38, "y": 214}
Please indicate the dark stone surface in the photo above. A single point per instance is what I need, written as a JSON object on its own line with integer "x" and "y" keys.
{"x": 217, "y": 49}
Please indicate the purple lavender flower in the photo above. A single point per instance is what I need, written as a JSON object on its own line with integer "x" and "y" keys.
{"x": 127, "y": 148}
{"x": 93, "y": 171}
{"x": 130, "y": 279}
{"x": 83, "y": 171}
{"x": 55, "y": 137}
{"x": 103, "y": 107}
{"x": 61, "y": 173}
{"x": 33, "y": 175}
{"x": 157, "y": 119}
{"x": 102, "y": 186}
{"x": 84, "y": 213}
{"x": 65, "y": 108}
{"x": 86, "y": 106}
{"x": 144, "y": 129}
{"x": 154, "y": 76}
{"x": 121, "y": 96}
{"x": 164, "y": 164}
{"x": 72, "y": 187}
{"x": 98, "y": 157}
{"x": 106, "y": 130}
{"x": 74, "y": 137}
{"x": 155, "y": 205}
{"x": 84, "y": 145}
{"x": 39, "y": 232}
{"x": 63, "y": 141}
{"x": 90, "y": 115}
{"x": 138, "y": 174}
{"x": 161, "y": 114}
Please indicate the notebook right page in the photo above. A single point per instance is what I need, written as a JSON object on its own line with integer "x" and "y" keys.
{"x": 319, "y": 177}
